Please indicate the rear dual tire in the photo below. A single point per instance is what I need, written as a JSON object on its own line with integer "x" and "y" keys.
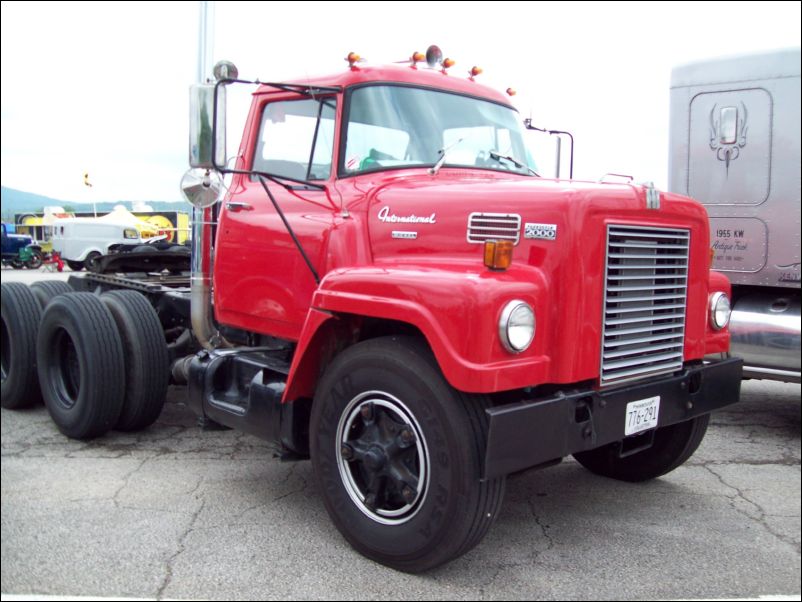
{"x": 103, "y": 363}
{"x": 21, "y": 313}
{"x": 81, "y": 365}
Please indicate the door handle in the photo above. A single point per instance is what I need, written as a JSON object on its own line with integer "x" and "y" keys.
{"x": 232, "y": 206}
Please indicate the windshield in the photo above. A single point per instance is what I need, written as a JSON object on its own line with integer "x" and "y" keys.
{"x": 398, "y": 126}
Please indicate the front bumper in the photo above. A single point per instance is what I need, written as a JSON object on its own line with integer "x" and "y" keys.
{"x": 530, "y": 432}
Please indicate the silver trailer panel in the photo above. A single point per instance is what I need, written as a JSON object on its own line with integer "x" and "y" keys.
{"x": 735, "y": 147}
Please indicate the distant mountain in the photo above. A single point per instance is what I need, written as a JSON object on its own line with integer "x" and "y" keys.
{"x": 14, "y": 202}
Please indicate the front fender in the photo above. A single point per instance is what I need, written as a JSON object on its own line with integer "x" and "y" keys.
{"x": 456, "y": 308}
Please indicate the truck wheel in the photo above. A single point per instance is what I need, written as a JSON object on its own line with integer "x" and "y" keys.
{"x": 35, "y": 261}
{"x": 91, "y": 262}
{"x": 75, "y": 266}
{"x": 20, "y": 321}
{"x": 81, "y": 365}
{"x": 45, "y": 290}
{"x": 398, "y": 454}
{"x": 672, "y": 446}
{"x": 17, "y": 264}
{"x": 147, "y": 367}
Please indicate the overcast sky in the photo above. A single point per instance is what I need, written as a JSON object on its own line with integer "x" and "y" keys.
{"x": 102, "y": 87}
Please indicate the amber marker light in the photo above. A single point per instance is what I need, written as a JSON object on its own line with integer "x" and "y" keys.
{"x": 353, "y": 58}
{"x": 448, "y": 63}
{"x": 511, "y": 92}
{"x": 417, "y": 57}
{"x": 498, "y": 254}
{"x": 475, "y": 71}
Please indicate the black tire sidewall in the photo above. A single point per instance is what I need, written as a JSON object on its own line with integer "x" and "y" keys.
{"x": 404, "y": 375}
{"x": 99, "y": 401}
{"x": 146, "y": 359}
{"x": 20, "y": 314}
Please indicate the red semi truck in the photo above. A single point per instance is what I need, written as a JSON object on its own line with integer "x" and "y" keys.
{"x": 389, "y": 288}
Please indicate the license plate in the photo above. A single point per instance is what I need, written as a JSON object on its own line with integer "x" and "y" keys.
{"x": 641, "y": 415}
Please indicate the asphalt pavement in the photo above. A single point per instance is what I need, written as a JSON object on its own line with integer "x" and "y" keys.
{"x": 179, "y": 512}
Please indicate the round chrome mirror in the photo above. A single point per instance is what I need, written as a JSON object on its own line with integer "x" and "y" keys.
{"x": 201, "y": 187}
{"x": 434, "y": 56}
{"x": 225, "y": 70}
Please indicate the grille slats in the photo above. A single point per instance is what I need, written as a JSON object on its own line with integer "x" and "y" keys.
{"x": 494, "y": 226}
{"x": 645, "y": 302}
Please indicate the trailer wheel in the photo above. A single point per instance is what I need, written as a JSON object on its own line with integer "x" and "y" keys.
{"x": 672, "y": 446}
{"x": 75, "y": 266}
{"x": 20, "y": 321}
{"x": 81, "y": 365}
{"x": 397, "y": 454}
{"x": 45, "y": 290}
{"x": 147, "y": 367}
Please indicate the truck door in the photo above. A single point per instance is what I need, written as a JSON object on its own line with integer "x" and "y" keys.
{"x": 262, "y": 282}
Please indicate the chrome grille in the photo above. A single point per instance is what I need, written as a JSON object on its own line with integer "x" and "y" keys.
{"x": 644, "y": 303}
{"x": 494, "y": 226}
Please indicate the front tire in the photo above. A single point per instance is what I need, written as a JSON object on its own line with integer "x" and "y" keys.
{"x": 398, "y": 455}
{"x": 672, "y": 446}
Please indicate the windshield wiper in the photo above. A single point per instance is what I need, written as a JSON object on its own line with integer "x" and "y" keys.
{"x": 443, "y": 152}
{"x": 498, "y": 156}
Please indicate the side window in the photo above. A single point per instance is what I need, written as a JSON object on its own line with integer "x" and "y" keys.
{"x": 296, "y": 139}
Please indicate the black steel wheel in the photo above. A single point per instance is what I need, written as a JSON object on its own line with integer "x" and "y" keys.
{"x": 81, "y": 365}
{"x": 45, "y": 290}
{"x": 147, "y": 364}
{"x": 20, "y": 322}
{"x": 398, "y": 454}
{"x": 672, "y": 446}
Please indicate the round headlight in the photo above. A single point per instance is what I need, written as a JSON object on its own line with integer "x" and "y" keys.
{"x": 720, "y": 310}
{"x": 516, "y": 328}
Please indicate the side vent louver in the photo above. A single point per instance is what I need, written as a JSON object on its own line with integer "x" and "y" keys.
{"x": 494, "y": 226}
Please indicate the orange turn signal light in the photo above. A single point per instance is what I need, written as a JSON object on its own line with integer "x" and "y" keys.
{"x": 498, "y": 254}
{"x": 353, "y": 58}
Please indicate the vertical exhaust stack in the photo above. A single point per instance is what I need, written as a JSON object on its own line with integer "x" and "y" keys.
{"x": 202, "y": 184}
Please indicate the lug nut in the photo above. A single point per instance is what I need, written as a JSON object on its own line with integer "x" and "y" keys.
{"x": 346, "y": 451}
{"x": 367, "y": 411}
{"x": 408, "y": 494}
{"x": 407, "y": 437}
{"x": 370, "y": 501}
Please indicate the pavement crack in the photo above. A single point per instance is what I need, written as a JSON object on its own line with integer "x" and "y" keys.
{"x": 181, "y": 546}
{"x": 759, "y": 515}
{"x": 126, "y": 479}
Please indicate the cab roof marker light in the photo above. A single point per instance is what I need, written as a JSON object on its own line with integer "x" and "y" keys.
{"x": 474, "y": 72}
{"x": 353, "y": 58}
{"x": 417, "y": 57}
{"x": 447, "y": 64}
{"x": 511, "y": 92}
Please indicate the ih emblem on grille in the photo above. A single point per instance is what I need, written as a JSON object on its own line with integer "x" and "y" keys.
{"x": 652, "y": 196}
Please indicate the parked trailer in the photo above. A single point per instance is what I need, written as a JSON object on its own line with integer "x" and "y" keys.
{"x": 735, "y": 147}
{"x": 420, "y": 323}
